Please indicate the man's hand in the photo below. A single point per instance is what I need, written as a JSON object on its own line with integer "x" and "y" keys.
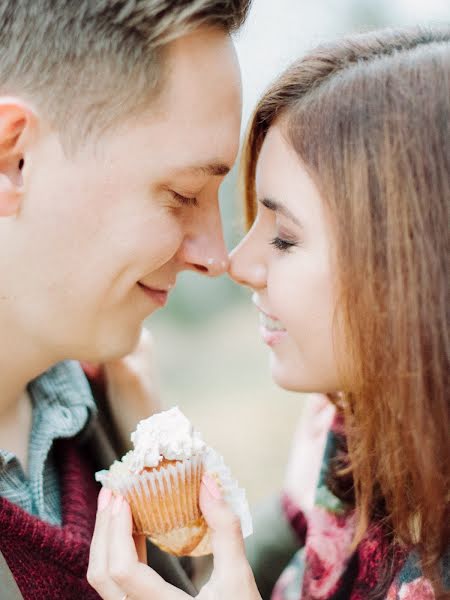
{"x": 130, "y": 386}
{"x": 117, "y": 565}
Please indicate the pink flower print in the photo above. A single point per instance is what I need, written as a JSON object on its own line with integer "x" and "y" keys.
{"x": 392, "y": 593}
{"x": 288, "y": 586}
{"x": 327, "y": 551}
{"x": 419, "y": 589}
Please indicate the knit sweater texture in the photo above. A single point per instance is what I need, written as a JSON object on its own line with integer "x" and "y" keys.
{"x": 50, "y": 562}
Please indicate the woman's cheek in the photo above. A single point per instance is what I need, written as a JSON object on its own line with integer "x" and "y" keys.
{"x": 289, "y": 293}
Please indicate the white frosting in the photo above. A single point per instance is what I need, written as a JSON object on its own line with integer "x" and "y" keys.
{"x": 167, "y": 434}
{"x": 120, "y": 468}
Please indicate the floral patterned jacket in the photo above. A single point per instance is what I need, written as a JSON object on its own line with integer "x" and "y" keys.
{"x": 324, "y": 568}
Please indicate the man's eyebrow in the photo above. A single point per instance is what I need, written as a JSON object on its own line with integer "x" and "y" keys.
{"x": 279, "y": 208}
{"x": 214, "y": 169}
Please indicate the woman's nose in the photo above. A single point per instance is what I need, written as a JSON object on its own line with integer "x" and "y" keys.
{"x": 246, "y": 267}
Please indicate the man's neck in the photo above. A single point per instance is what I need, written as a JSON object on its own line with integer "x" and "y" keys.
{"x": 15, "y": 428}
{"x": 18, "y": 366}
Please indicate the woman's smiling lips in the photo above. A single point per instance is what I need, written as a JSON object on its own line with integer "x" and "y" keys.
{"x": 271, "y": 329}
{"x": 159, "y": 296}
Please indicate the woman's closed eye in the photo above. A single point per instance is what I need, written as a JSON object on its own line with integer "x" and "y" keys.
{"x": 285, "y": 240}
{"x": 282, "y": 244}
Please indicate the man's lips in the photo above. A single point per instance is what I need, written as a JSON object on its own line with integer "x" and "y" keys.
{"x": 159, "y": 296}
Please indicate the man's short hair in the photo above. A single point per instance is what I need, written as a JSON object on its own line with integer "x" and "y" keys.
{"x": 89, "y": 63}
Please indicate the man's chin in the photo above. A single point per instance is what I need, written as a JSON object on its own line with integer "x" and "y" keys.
{"x": 114, "y": 347}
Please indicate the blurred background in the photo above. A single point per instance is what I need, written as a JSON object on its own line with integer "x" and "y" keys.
{"x": 211, "y": 361}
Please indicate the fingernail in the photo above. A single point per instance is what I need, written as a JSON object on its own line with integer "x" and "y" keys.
{"x": 103, "y": 498}
{"x": 118, "y": 502}
{"x": 211, "y": 486}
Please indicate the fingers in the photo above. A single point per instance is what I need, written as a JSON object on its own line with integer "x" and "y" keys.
{"x": 232, "y": 576}
{"x": 305, "y": 459}
{"x": 139, "y": 361}
{"x": 132, "y": 383}
{"x": 146, "y": 343}
{"x": 97, "y": 574}
{"x": 132, "y": 576}
{"x": 226, "y": 534}
{"x": 322, "y": 415}
{"x": 114, "y": 566}
{"x": 92, "y": 370}
{"x": 132, "y": 380}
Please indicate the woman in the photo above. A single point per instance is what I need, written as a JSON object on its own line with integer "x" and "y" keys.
{"x": 347, "y": 183}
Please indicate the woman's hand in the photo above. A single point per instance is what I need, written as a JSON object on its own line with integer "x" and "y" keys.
{"x": 308, "y": 446}
{"x": 117, "y": 565}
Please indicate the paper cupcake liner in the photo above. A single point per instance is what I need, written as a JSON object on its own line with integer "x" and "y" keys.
{"x": 164, "y": 501}
{"x": 163, "y": 498}
{"x": 234, "y": 496}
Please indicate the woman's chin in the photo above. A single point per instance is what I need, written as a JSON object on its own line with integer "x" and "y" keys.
{"x": 285, "y": 376}
{"x": 290, "y": 378}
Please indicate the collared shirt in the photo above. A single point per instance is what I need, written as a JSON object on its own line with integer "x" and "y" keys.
{"x": 62, "y": 405}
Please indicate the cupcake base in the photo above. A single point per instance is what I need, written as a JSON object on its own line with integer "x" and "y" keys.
{"x": 184, "y": 540}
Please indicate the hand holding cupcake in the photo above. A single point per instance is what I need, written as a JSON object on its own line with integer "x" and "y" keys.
{"x": 117, "y": 565}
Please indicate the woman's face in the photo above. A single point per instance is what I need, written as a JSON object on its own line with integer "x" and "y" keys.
{"x": 286, "y": 258}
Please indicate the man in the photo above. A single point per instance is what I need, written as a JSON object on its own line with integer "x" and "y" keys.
{"x": 118, "y": 121}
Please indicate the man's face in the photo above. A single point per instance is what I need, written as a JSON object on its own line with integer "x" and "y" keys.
{"x": 100, "y": 237}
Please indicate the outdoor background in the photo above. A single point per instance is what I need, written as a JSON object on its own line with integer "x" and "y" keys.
{"x": 211, "y": 361}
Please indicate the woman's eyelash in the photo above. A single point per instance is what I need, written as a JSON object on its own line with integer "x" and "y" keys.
{"x": 185, "y": 200}
{"x": 283, "y": 245}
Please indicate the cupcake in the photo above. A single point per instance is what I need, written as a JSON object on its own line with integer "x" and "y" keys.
{"x": 161, "y": 477}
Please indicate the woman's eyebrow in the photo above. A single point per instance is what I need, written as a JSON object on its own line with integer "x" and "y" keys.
{"x": 279, "y": 208}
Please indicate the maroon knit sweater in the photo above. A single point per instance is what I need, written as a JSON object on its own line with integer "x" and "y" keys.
{"x": 50, "y": 562}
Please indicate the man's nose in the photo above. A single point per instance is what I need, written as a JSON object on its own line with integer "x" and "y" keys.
{"x": 203, "y": 248}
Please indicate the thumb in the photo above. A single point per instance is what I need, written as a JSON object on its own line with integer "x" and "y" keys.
{"x": 226, "y": 534}
{"x": 92, "y": 370}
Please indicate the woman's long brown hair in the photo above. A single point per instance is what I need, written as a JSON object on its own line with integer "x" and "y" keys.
{"x": 369, "y": 117}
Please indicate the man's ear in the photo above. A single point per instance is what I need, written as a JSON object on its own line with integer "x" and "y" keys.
{"x": 16, "y": 120}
